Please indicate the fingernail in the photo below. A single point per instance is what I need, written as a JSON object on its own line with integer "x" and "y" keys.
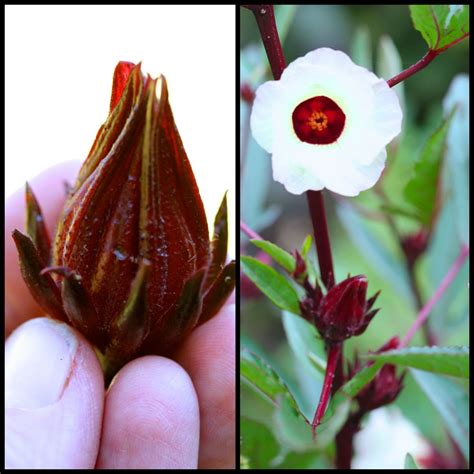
{"x": 38, "y": 362}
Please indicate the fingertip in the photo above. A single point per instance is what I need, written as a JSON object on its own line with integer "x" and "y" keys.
{"x": 53, "y": 398}
{"x": 151, "y": 418}
{"x": 208, "y": 355}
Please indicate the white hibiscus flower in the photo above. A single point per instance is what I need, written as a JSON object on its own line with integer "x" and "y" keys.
{"x": 326, "y": 123}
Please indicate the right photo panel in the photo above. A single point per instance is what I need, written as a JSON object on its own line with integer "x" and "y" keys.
{"x": 354, "y": 237}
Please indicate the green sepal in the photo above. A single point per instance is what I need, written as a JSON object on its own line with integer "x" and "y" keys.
{"x": 35, "y": 226}
{"x": 78, "y": 306}
{"x": 218, "y": 293}
{"x": 42, "y": 287}
{"x": 218, "y": 244}
{"x": 186, "y": 314}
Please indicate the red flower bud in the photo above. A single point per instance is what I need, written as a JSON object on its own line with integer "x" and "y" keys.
{"x": 385, "y": 386}
{"x": 132, "y": 267}
{"x": 344, "y": 312}
{"x": 414, "y": 245}
{"x": 382, "y": 390}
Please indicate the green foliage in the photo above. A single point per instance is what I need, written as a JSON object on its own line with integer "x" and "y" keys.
{"x": 452, "y": 402}
{"x": 360, "y": 380}
{"x": 389, "y": 64}
{"x": 306, "y": 343}
{"x": 306, "y": 245}
{"x": 373, "y": 250}
{"x": 440, "y": 25}
{"x": 452, "y": 361}
{"x": 421, "y": 191}
{"x": 258, "y": 445}
{"x": 410, "y": 462}
{"x": 263, "y": 378}
{"x": 361, "y": 48}
{"x": 271, "y": 283}
{"x": 280, "y": 256}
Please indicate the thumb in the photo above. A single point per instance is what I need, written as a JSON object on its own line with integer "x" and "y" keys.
{"x": 54, "y": 392}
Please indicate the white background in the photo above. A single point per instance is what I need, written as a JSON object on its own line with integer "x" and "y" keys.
{"x": 59, "y": 66}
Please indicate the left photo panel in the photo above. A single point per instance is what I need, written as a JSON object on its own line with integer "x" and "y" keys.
{"x": 120, "y": 237}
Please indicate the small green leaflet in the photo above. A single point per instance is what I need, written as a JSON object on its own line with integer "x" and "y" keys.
{"x": 262, "y": 377}
{"x": 306, "y": 245}
{"x": 282, "y": 257}
{"x": 441, "y": 25}
{"x": 258, "y": 445}
{"x": 271, "y": 283}
{"x": 452, "y": 402}
{"x": 360, "y": 379}
{"x": 421, "y": 191}
{"x": 452, "y": 361}
{"x": 410, "y": 462}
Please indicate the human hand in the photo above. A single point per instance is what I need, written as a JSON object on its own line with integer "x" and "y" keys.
{"x": 158, "y": 413}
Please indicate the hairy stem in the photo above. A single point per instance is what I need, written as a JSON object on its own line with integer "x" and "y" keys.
{"x": 321, "y": 236}
{"x": 251, "y": 234}
{"x": 333, "y": 358}
{"x": 422, "y": 63}
{"x": 345, "y": 441}
{"x": 265, "y": 17}
{"x": 445, "y": 282}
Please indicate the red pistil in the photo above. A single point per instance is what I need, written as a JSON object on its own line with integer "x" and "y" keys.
{"x": 319, "y": 121}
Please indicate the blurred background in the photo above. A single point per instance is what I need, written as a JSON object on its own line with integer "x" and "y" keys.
{"x": 59, "y": 66}
{"x": 383, "y": 39}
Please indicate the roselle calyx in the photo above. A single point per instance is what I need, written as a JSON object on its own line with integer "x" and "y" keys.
{"x": 343, "y": 312}
{"x": 131, "y": 265}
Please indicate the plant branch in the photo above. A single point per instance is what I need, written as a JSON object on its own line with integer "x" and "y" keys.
{"x": 333, "y": 359}
{"x": 265, "y": 17}
{"x": 251, "y": 234}
{"x": 446, "y": 281}
{"x": 422, "y": 63}
{"x": 321, "y": 236}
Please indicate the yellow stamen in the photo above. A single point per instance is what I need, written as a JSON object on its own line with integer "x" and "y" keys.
{"x": 318, "y": 121}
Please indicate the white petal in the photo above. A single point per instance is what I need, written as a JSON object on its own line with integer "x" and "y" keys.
{"x": 351, "y": 181}
{"x": 291, "y": 170}
{"x": 264, "y": 108}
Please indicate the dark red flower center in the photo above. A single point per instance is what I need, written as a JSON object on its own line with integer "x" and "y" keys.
{"x": 319, "y": 121}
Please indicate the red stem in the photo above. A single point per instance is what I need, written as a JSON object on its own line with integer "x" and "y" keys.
{"x": 321, "y": 236}
{"x": 413, "y": 69}
{"x": 333, "y": 358}
{"x": 251, "y": 234}
{"x": 446, "y": 281}
{"x": 423, "y": 62}
{"x": 265, "y": 17}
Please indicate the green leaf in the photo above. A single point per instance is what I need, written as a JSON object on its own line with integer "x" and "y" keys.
{"x": 370, "y": 246}
{"x": 282, "y": 257}
{"x": 456, "y": 172}
{"x": 360, "y": 380}
{"x": 421, "y": 191}
{"x": 452, "y": 403}
{"x": 258, "y": 445}
{"x": 361, "y": 48}
{"x": 410, "y": 462}
{"x": 262, "y": 377}
{"x": 292, "y": 429}
{"x": 389, "y": 64}
{"x": 305, "y": 248}
{"x": 257, "y": 177}
{"x": 452, "y": 361}
{"x": 271, "y": 283}
{"x": 399, "y": 211}
{"x": 307, "y": 460}
{"x": 441, "y": 25}
{"x": 306, "y": 343}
